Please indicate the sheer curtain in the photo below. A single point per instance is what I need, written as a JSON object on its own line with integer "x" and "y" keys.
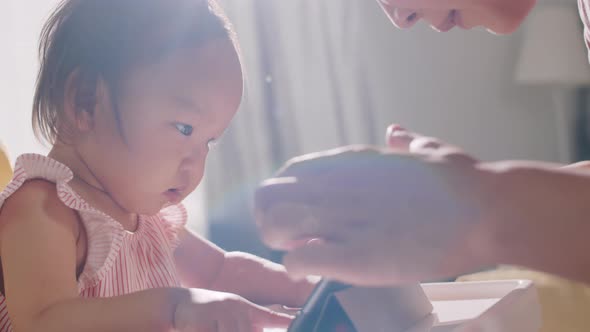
{"x": 307, "y": 89}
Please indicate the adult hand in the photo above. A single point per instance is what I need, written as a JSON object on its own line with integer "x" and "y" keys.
{"x": 418, "y": 211}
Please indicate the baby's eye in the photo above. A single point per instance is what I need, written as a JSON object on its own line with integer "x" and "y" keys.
{"x": 212, "y": 143}
{"x": 184, "y": 129}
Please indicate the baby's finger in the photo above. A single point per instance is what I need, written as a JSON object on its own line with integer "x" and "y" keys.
{"x": 261, "y": 317}
{"x": 283, "y": 309}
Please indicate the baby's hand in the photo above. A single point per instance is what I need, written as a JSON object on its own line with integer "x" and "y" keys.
{"x": 210, "y": 311}
{"x": 261, "y": 281}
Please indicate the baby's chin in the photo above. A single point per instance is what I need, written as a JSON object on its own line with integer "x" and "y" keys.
{"x": 166, "y": 205}
{"x": 150, "y": 209}
{"x": 150, "y": 205}
{"x": 169, "y": 204}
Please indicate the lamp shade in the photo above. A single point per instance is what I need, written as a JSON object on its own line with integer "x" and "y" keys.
{"x": 553, "y": 50}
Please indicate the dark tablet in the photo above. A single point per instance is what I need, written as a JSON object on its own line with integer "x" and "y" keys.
{"x": 322, "y": 312}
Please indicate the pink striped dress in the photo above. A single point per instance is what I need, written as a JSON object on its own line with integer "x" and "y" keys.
{"x": 118, "y": 262}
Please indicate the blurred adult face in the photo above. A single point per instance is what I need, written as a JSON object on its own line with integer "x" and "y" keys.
{"x": 498, "y": 16}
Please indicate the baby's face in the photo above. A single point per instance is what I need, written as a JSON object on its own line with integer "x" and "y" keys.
{"x": 498, "y": 16}
{"x": 169, "y": 113}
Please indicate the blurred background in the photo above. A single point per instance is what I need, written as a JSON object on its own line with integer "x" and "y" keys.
{"x": 321, "y": 74}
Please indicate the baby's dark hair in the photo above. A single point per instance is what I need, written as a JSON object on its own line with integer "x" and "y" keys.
{"x": 104, "y": 40}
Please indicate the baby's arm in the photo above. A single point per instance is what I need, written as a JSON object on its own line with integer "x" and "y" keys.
{"x": 204, "y": 265}
{"x": 261, "y": 281}
{"x": 198, "y": 261}
{"x": 38, "y": 249}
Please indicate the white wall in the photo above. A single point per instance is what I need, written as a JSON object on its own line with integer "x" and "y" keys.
{"x": 19, "y": 30}
{"x": 482, "y": 110}
{"x": 460, "y": 86}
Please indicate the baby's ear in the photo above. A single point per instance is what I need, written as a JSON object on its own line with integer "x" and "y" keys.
{"x": 81, "y": 90}
{"x": 84, "y": 120}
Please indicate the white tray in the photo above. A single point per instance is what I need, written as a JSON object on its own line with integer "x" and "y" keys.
{"x": 506, "y": 306}
{"x": 482, "y": 306}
